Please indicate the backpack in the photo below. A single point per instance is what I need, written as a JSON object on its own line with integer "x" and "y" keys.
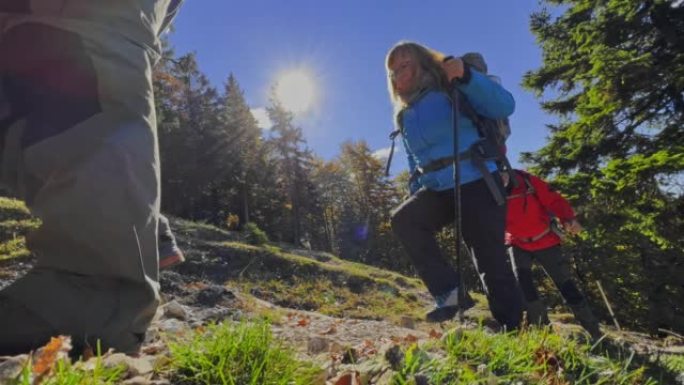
{"x": 475, "y": 60}
{"x": 493, "y": 131}
{"x": 493, "y": 134}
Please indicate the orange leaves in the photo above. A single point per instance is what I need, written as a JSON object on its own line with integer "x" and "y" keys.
{"x": 45, "y": 359}
{"x": 435, "y": 334}
{"x": 198, "y": 285}
{"x": 367, "y": 349}
{"x": 302, "y": 321}
{"x": 552, "y": 365}
{"x": 351, "y": 378}
{"x": 408, "y": 339}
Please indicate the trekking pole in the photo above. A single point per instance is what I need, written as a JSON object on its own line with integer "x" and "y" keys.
{"x": 457, "y": 203}
{"x": 610, "y": 309}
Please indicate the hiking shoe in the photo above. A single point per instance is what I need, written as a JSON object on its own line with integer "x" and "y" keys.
{"x": 170, "y": 257}
{"x": 447, "y": 306}
{"x": 593, "y": 330}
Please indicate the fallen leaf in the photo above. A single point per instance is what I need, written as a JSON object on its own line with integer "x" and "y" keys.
{"x": 198, "y": 285}
{"x": 331, "y": 330}
{"x": 352, "y": 378}
{"x": 410, "y": 338}
{"x": 47, "y": 356}
{"x": 303, "y": 322}
{"x": 88, "y": 353}
{"x": 553, "y": 366}
{"x": 435, "y": 334}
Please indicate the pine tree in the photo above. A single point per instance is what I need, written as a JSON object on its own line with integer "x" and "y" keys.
{"x": 616, "y": 69}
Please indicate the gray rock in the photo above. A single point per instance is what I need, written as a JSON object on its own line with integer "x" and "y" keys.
{"x": 173, "y": 326}
{"x": 407, "y": 322}
{"x": 11, "y": 368}
{"x": 134, "y": 366}
{"x": 317, "y": 345}
{"x": 175, "y": 310}
{"x": 139, "y": 380}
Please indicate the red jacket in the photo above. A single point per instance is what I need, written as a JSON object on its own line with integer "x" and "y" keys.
{"x": 531, "y": 206}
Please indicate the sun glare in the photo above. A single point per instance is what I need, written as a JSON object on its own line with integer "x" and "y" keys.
{"x": 296, "y": 91}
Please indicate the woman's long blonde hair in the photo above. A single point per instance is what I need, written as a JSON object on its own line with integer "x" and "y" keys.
{"x": 430, "y": 73}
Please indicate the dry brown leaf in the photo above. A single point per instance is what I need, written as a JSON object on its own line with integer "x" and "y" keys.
{"x": 331, "y": 330}
{"x": 336, "y": 357}
{"x": 410, "y": 338}
{"x": 197, "y": 285}
{"x": 47, "y": 356}
{"x": 435, "y": 334}
{"x": 352, "y": 378}
{"x": 88, "y": 353}
{"x": 553, "y": 365}
{"x": 153, "y": 349}
{"x": 303, "y": 322}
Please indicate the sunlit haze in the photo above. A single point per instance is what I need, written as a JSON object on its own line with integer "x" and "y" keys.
{"x": 296, "y": 90}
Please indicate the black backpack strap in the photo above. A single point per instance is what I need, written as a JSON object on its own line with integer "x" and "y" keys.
{"x": 438, "y": 164}
{"x": 487, "y": 148}
{"x": 479, "y": 160}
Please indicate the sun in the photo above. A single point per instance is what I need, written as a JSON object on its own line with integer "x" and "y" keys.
{"x": 296, "y": 90}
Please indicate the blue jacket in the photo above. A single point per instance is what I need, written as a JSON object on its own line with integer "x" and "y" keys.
{"x": 428, "y": 134}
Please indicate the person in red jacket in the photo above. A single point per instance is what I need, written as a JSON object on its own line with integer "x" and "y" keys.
{"x": 530, "y": 233}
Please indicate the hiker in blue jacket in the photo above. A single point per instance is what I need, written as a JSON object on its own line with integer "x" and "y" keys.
{"x": 419, "y": 81}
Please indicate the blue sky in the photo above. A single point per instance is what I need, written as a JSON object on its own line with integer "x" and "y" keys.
{"x": 342, "y": 44}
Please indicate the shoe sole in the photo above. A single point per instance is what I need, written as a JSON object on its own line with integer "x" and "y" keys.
{"x": 442, "y": 314}
{"x": 446, "y": 313}
{"x": 171, "y": 261}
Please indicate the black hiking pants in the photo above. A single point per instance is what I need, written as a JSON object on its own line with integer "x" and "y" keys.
{"x": 416, "y": 221}
{"x": 558, "y": 267}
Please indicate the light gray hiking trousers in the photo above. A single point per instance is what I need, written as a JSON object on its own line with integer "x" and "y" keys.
{"x": 79, "y": 145}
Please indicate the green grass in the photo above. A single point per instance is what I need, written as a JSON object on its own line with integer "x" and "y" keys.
{"x": 15, "y": 223}
{"x": 324, "y": 296}
{"x": 237, "y": 354}
{"x": 673, "y": 362}
{"x": 534, "y": 356}
{"x": 66, "y": 373}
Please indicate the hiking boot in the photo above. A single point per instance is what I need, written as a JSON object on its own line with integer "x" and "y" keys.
{"x": 536, "y": 313}
{"x": 447, "y": 306}
{"x": 593, "y": 330}
{"x": 169, "y": 255}
{"x": 586, "y": 318}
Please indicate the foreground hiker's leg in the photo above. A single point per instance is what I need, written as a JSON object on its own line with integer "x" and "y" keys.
{"x": 83, "y": 154}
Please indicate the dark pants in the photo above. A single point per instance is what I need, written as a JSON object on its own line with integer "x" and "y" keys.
{"x": 22, "y": 330}
{"x": 417, "y": 220}
{"x": 556, "y": 266}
